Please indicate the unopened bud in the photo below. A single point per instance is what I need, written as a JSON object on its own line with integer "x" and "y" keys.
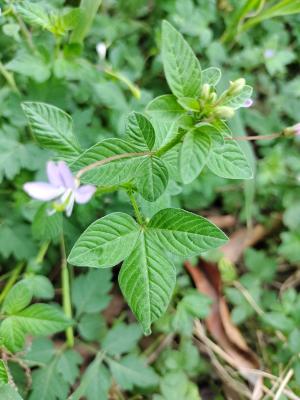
{"x": 224, "y": 112}
{"x": 205, "y": 90}
{"x": 237, "y": 85}
{"x": 212, "y": 97}
{"x": 292, "y": 130}
{"x": 101, "y": 50}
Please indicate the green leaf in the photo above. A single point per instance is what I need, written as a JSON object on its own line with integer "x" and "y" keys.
{"x": 147, "y": 280}
{"x": 121, "y": 339}
{"x": 41, "y": 350}
{"x": 12, "y": 335}
{"x": 46, "y": 227}
{"x": 211, "y": 76}
{"x": 68, "y": 365}
{"x": 182, "y": 68}
{"x": 34, "y": 14}
{"x": 95, "y": 382}
{"x": 48, "y": 383}
{"x": 52, "y": 128}
{"x": 114, "y": 172}
{"x": 165, "y": 107}
{"x": 17, "y": 298}
{"x": 189, "y": 104}
{"x": 152, "y": 178}
{"x": 239, "y": 99}
{"x": 41, "y": 319}
{"x": 140, "y": 131}
{"x": 105, "y": 242}
{"x": 184, "y": 233}
{"x": 7, "y": 392}
{"x": 132, "y": 371}
{"x": 92, "y": 326}
{"x": 90, "y": 291}
{"x": 3, "y": 373}
{"x": 40, "y": 286}
{"x": 194, "y": 153}
{"x": 229, "y": 161}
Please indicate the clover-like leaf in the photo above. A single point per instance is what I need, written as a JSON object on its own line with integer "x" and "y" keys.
{"x": 140, "y": 131}
{"x": 181, "y": 66}
{"x": 184, "y": 233}
{"x": 152, "y": 178}
{"x": 147, "y": 280}
{"x": 52, "y": 128}
{"x": 106, "y": 241}
{"x": 194, "y": 154}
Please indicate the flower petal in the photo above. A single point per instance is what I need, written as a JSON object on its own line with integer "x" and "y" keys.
{"x": 42, "y": 190}
{"x": 53, "y": 174}
{"x": 66, "y": 175}
{"x": 84, "y": 193}
{"x": 70, "y": 205}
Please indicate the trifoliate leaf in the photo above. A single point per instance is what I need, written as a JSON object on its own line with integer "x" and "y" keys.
{"x": 194, "y": 154}
{"x": 182, "y": 68}
{"x": 152, "y": 178}
{"x": 184, "y": 233}
{"x": 140, "y": 131}
{"x": 90, "y": 291}
{"x": 147, "y": 280}
{"x": 52, "y": 128}
{"x": 105, "y": 242}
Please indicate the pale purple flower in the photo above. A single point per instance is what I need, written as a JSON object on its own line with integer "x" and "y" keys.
{"x": 62, "y": 187}
{"x": 247, "y": 103}
{"x": 269, "y": 53}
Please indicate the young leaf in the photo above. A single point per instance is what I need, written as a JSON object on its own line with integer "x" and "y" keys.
{"x": 152, "y": 178}
{"x": 17, "y": 298}
{"x": 211, "y": 76}
{"x": 41, "y": 319}
{"x": 181, "y": 66}
{"x": 147, "y": 280}
{"x": 121, "y": 339}
{"x": 115, "y": 172}
{"x": 189, "y": 104}
{"x": 239, "y": 99}
{"x": 132, "y": 371}
{"x": 140, "y": 131}
{"x": 48, "y": 383}
{"x": 34, "y": 14}
{"x": 105, "y": 242}
{"x": 229, "y": 161}
{"x": 3, "y": 373}
{"x": 52, "y": 128}
{"x": 90, "y": 291}
{"x": 95, "y": 382}
{"x": 184, "y": 233}
{"x": 193, "y": 154}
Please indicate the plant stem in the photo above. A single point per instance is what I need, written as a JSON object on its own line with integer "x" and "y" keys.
{"x": 9, "y": 284}
{"x": 135, "y": 206}
{"x": 41, "y": 254}
{"x": 67, "y": 307}
{"x": 168, "y": 146}
{"x": 107, "y": 160}
{"x": 257, "y": 137}
{"x": 9, "y": 78}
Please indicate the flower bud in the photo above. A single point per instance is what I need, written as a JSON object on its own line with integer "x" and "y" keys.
{"x": 205, "y": 91}
{"x": 212, "y": 97}
{"x": 101, "y": 50}
{"x": 224, "y": 112}
{"x": 292, "y": 130}
{"x": 237, "y": 85}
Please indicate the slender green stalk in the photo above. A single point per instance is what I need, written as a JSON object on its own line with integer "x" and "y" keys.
{"x": 117, "y": 75}
{"x": 168, "y": 146}
{"x": 9, "y": 78}
{"x": 9, "y": 284}
{"x": 66, "y": 293}
{"x": 135, "y": 206}
{"x": 42, "y": 252}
